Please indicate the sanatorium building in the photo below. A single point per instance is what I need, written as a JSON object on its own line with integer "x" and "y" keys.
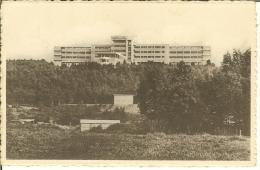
{"x": 123, "y": 49}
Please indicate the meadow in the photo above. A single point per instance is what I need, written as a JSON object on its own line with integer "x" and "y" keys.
{"x": 50, "y": 142}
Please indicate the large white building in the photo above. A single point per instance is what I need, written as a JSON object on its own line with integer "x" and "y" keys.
{"x": 123, "y": 49}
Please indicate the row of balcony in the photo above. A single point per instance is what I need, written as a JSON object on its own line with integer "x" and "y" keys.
{"x": 71, "y": 55}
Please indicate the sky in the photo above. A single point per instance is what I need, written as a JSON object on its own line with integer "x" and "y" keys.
{"x": 30, "y": 30}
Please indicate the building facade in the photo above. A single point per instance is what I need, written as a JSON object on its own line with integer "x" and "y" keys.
{"x": 123, "y": 49}
{"x": 123, "y": 99}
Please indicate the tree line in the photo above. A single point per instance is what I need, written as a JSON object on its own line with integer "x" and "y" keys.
{"x": 185, "y": 99}
{"x": 37, "y": 82}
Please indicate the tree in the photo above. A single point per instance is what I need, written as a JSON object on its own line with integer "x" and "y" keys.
{"x": 169, "y": 95}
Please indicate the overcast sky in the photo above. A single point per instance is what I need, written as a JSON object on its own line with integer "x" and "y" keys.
{"x": 32, "y": 29}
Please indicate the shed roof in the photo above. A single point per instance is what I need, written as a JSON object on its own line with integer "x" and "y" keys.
{"x": 98, "y": 121}
{"x": 123, "y": 94}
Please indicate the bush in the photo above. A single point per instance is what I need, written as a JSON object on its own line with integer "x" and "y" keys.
{"x": 96, "y": 129}
{"x": 148, "y": 126}
{"x": 123, "y": 128}
{"x": 239, "y": 138}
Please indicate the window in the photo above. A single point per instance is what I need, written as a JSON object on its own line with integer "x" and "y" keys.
{"x": 157, "y": 51}
{"x": 143, "y": 46}
{"x": 180, "y": 52}
{"x": 137, "y": 46}
{"x": 102, "y": 47}
{"x": 163, "y": 47}
{"x": 162, "y": 51}
{"x": 157, "y": 46}
{"x": 150, "y": 47}
{"x": 194, "y": 52}
{"x": 137, "y": 56}
{"x": 144, "y": 51}
{"x": 137, "y": 51}
{"x": 157, "y": 56}
{"x": 172, "y": 52}
{"x": 187, "y": 52}
{"x": 150, "y": 56}
{"x": 119, "y": 45}
{"x": 186, "y": 56}
{"x": 200, "y": 52}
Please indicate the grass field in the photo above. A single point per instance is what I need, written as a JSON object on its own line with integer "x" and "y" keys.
{"x": 47, "y": 142}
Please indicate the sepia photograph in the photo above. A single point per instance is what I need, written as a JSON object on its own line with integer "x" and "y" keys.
{"x": 155, "y": 83}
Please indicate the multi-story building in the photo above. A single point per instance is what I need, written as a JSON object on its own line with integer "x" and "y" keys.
{"x": 150, "y": 52}
{"x": 123, "y": 49}
{"x": 191, "y": 55}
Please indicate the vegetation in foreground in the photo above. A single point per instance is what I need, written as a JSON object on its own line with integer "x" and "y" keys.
{"x": 178, "y": 99}
{"x": 49, "y": 142}
{"x": 171, "y": 100}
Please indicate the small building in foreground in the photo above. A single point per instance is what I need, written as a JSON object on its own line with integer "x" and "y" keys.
{"x": 87, "y": 124}
{"x": 123, "y": 99}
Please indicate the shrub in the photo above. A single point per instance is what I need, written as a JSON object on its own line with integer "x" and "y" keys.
{"x": 239, "y": 138}
{"x": 147, "y": 126}
{"x": 96, "y": 129}
{"x": 121, "y": 127}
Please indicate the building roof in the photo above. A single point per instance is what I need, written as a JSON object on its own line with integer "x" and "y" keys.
{"x": 98, "y": 121}
{"x": 123, "y": 94}
{"x": 118, "y": 37}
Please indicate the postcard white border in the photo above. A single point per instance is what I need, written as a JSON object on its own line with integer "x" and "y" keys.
{"x": 111, "y": 163}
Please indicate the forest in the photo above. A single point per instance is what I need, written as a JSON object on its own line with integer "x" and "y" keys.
{"x": 173, "y": 99}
